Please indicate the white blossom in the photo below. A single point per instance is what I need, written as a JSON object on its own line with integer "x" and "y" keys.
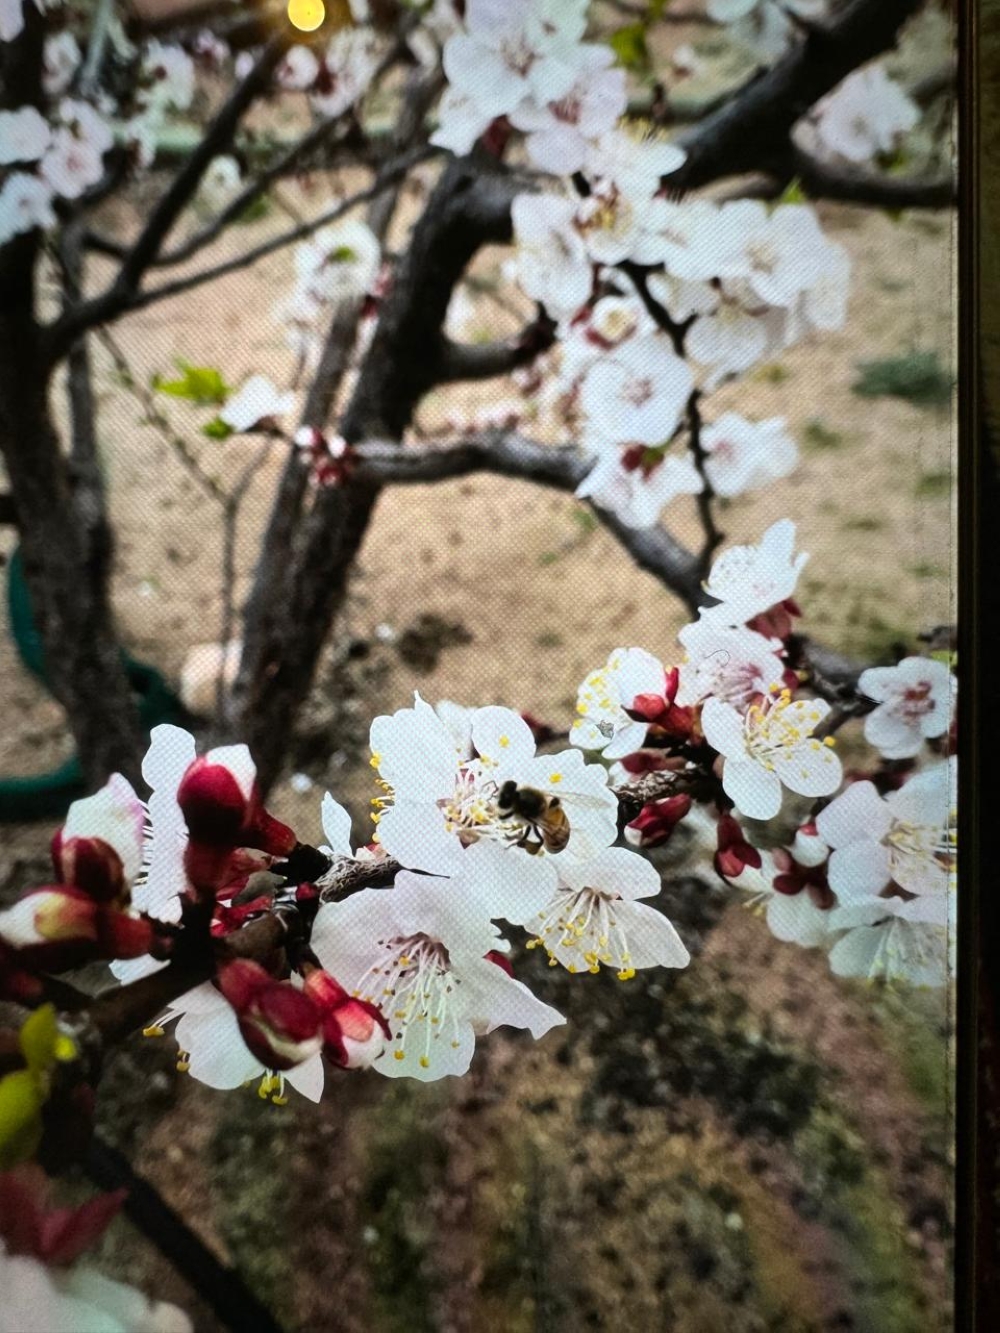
{"x": 594, "y": 918}
{"x": 167, "y": 76}
{"x": 893, "y": 939}
{"x": 339, "y": 263}
{"x": 748, "y": 580}
{"x": 551, "y": 264}
{"x": 418, "y": 951}
{"x": 733, "y": 664}
{"x": 25, "y": 203}
{"x": 60, "y": 62}
{"x": 256, "y": 401}
{"x": 513, "y": 51}
{"x": 864, "y": 115}
{"x": 214, "y": 1053}
{"x": 439, "y": 808}
{"x": 771, "y": 748}
{"x": 42, "y": 1299}
{"x": 743, "y": 454}
{"x": 602, "y": 723}
{"x": 639, "y": 482}
{"x": 914, "y": 704}
{"x": 298, "y": 70}
{"x": 24, "y": 135}
{"x": 350, "y": 61}
{"x": 636, "y": 394}
{"x": 906, "y": 838}
{"x": 560, "y": 128}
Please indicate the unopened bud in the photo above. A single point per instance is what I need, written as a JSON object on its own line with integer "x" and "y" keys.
{"x": 656, "y": 821}
{"x": 280, "y": 1024}
{"x": 734, "y": 854}
{"x": 808, "y": 848}
{"x": 354, "y": 1031}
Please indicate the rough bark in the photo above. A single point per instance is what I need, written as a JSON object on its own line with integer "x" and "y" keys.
{"x": 65, "y": 562}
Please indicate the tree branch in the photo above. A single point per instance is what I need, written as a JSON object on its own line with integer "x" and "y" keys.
{"x": 751, "y": 131}
{"x": 851, "y": 185}
{"x": 562, "y": 467}
{"x": 105, "y": 308}
{"x": 483, "y": 361}
{"x": 120, "y": 295}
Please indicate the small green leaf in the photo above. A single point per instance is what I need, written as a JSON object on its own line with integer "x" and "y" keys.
{"x": 38, "y": 1039}
{"x": 203, "y": 385}
{"x": 946, "y": 656}
{"x": 793, "y": 193}
{"x": 629, "y": 45}
{"x": 217, "y": 429}
{"x": 20, "y": 1117}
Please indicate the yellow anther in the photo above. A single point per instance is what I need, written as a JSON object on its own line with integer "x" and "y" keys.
{"x": 399, "y": 1055}
{"x": 154, "y": 1031}
{"x": 424, "y": 1062}
{"x": 279, "y": 1101}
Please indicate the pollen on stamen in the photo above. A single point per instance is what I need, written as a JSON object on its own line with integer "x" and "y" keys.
{"x": 154, "y": 1031}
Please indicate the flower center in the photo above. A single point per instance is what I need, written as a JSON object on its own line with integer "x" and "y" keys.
{"x": 770, "y": 731}
{"x": 586, "y": 924}
{"x": 915, "y": 701}
{"x": 933, "y": 846}
{"x": 412, "y": 982}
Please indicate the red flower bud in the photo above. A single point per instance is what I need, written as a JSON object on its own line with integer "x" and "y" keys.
{"x": 501, "y": 960}
{"x": 656, "y": 821}
{"x": 215, "y": 804}
{"x": 90, "y": 864}
{"x": 280, "y": 1024}
{"x": 734, "y": 853}
{"x": 354, "y": 1031}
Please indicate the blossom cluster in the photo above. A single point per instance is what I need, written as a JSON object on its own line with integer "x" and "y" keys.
{"x": 868, "y": 875}
{"x": 62, "y": 154}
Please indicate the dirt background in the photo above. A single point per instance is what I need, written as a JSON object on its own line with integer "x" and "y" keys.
{"x": 752, "y": 1145}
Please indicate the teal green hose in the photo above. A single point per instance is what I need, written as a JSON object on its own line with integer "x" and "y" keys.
{"x": 49, "y": 795}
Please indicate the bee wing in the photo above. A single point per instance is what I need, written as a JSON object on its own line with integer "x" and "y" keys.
{"x": 588, "y": 801}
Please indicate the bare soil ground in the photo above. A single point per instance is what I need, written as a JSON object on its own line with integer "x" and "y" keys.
{"x": 752, "y": 1145}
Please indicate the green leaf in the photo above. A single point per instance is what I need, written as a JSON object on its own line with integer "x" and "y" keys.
{"x": 255, "y": 210}
{"x": 203, "y": 385}
{"x": 20, "y": 1117}
{"x": 629, "y": 45}
{"x": 217, "y": 429}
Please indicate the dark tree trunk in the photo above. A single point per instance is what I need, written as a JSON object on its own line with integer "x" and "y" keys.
{"x": 65, "y": 546}
{"x": 307, "y": 557}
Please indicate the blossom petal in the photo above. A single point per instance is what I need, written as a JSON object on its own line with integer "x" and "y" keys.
{"x": 755, "y": 791}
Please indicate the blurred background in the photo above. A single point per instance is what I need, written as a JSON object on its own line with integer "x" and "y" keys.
{"x": 750, "y": 1145}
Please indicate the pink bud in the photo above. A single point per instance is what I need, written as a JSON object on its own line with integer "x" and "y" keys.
{"x": 56, "y": 914}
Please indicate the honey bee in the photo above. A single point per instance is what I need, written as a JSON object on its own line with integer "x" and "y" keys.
{"x": 545, "y": 822}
